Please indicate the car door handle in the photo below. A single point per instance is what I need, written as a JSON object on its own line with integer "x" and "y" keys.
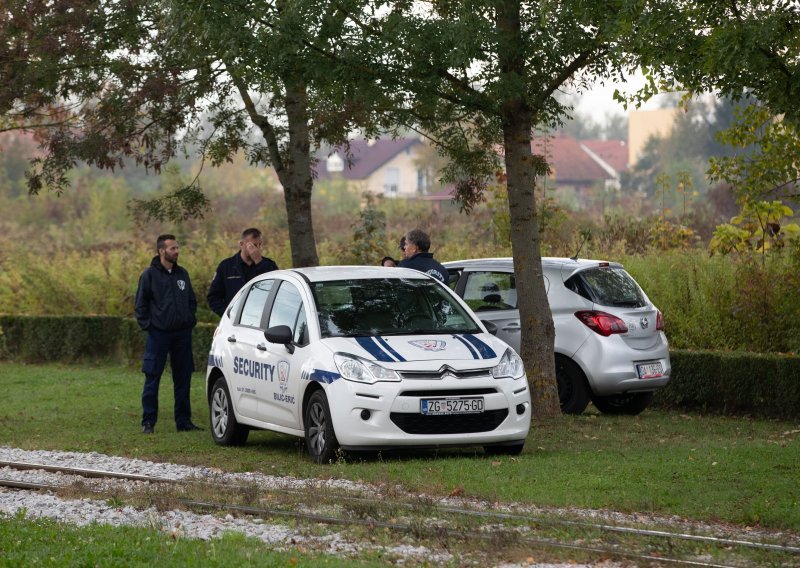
{"x": 261, "y": 347}
{"x": 232, "y": 339}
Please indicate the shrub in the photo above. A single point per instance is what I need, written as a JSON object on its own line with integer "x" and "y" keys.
{"x": 733, "y": 383}
{"x": 70, "y": 339}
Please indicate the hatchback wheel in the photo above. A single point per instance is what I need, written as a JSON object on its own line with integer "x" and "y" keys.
{"x": 225, "y": 430}
{"x": 573, "y": 392}
{"x": 320, "y": 438}
{"x": 629, "y": 403}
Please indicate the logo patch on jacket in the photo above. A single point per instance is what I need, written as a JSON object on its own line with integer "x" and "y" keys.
{"x": 182, "y": 284}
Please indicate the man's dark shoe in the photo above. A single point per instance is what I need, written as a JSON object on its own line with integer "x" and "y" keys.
{"x": 189, "y": 427}
{"x": 147, "y": 428}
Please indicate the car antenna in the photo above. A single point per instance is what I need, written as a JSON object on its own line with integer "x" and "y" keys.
{"x": 586, "y": 235}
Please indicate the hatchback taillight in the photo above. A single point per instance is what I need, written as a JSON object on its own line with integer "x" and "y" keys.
{"x": 601, "y": 322}
{"x": 659, "y": 321}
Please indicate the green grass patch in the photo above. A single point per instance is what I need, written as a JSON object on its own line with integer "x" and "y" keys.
{"x": 44, "y": 542}
{"x": 703, "y": 467}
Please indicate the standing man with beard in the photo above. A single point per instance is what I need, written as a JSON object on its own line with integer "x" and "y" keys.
{"x": 234, "y": 272}
{"x": 165, "y": 309}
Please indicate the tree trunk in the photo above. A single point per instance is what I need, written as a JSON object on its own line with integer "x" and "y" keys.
{"x": 536, "y": 320}
{"x": 297, "y": 178}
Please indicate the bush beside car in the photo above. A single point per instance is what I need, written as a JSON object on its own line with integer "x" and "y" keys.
{"x": 732, "y": 383}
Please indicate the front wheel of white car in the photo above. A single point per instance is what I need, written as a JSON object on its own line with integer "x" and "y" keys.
{"x": 225, "y": 430}
{"x": 321, "y": 440}
{"x": 630, "y": 403}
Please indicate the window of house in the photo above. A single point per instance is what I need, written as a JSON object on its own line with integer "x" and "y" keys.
{"x": 391, "y": 181}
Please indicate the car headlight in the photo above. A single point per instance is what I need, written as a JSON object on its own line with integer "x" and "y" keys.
{"x": 510, "y": 366}
{"x": 360, "y": 370}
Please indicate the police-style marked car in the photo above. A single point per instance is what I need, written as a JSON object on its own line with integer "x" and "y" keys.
{"x": 363, "y": 358}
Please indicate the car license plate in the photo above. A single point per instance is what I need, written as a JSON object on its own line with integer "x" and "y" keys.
{"x": 439, "y": 406}
{"x": 650, "y": 370}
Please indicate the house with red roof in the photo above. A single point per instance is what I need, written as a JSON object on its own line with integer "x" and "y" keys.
{"x": 583, "y": 164}
{"x": 385, "y": 166}
{"x": 394, "y": 168}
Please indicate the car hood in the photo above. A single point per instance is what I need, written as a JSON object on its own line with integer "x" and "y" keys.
{"x": 466, "y": 347}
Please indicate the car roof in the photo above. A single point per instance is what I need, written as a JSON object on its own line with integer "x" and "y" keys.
{"x": 328, "y": 273}
{"x": 546, "y": 261}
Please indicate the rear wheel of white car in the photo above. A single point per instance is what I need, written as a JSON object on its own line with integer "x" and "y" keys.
{"x": 225, "y": 430}
{"x": 573, "y": 392}
{"x": 504, "y": 450}
{"x": 321, "y": 440}
{"x": 630, "y": 403}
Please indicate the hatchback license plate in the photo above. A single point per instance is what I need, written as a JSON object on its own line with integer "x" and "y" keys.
{"x": 650, "y": 370}
{"x": 439, "y": 406}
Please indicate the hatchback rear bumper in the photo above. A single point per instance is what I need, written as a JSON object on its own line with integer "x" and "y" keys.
{"x": 610, "y": 365}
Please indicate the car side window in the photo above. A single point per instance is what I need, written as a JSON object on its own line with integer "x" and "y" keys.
{"x": 253, "y": 309}
{"x": 491, "y": 291}
{"x": 287, "y": 309}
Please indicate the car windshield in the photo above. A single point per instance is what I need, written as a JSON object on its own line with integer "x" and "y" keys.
{"x": 388, "y": 306}
{"x": 608, "y": 286}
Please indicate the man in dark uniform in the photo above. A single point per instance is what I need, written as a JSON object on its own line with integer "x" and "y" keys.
{"x": 416, "y": 256}
{"x": 165, "y": 309}
{"x": 234, "y": 272}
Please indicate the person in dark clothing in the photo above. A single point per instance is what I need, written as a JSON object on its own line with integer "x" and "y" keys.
{"x": 416, "y": 256}
{"x": 234, "y": 272}
{"x": 165, "y": 309}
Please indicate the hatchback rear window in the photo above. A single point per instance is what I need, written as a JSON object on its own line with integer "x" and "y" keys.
{"x": 607, "y": 286}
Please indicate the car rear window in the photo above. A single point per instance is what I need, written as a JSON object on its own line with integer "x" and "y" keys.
{"x": 607, "y": 286}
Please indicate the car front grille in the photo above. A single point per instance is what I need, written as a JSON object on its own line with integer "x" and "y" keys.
{"x": 413, "y": 423}
{"x": 437, "y": 375}
{"x": 449, "y": 392}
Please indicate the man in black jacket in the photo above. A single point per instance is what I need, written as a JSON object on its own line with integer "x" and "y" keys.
{"x": 234, "y": 272}
{"x": 416, "y": 256}
{"x": 165, "y": 309}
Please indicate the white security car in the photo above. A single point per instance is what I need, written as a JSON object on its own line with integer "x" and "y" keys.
{"x": 610, "y": 344}
{"x": 363, "y": 358}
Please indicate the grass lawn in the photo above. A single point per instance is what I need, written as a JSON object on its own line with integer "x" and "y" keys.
{"x": 703, "y": 467}
{"x": 44, "y": 542}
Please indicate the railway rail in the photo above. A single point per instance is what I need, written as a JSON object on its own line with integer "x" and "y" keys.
{"x": 511, "y": 522}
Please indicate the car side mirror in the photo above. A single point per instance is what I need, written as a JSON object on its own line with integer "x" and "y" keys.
{"x": 281, "y": 334}
{"x": 490, "y": 326}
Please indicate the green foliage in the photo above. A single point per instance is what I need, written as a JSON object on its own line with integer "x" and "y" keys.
{"x": 713, "y": 303}
{"x": 761, "y": 226}
{"x": 733, "y": 383}
{"x": 369, "y": 234}
{"x": 71, "y": 339}
{"x": 49, "y": 543}
{"x": 768, "y": 159}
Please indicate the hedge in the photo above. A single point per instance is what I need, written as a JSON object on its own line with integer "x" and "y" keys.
{"x": 72, "y": 339}
{"x": 733, "y": 383}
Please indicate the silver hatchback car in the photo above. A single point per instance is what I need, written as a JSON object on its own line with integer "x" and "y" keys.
{"x": 610, "y": 345}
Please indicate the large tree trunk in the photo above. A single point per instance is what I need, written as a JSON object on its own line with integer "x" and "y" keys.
{"x": 297, "y": 179}
{"x": 536, "y": 320}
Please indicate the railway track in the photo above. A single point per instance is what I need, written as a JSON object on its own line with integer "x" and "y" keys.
{"x": 519, "y": 529}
